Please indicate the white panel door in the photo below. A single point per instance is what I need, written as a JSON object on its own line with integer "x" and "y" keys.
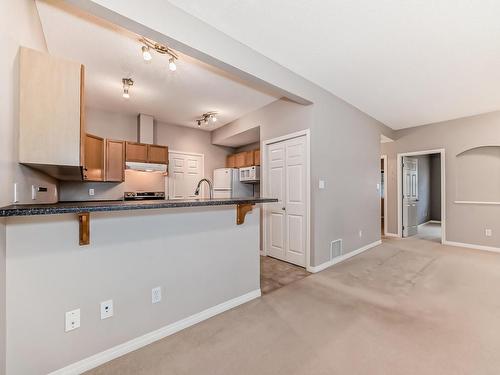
{"x": 286, "y": 219}
{"x": 185, "y": 170}
{"x": 410, "y": 196}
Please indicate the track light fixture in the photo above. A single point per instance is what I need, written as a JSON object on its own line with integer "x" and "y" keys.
{"x": 149, "y": 45}
{"x": 206, "y": 118}
{"x": 127, "y": 82}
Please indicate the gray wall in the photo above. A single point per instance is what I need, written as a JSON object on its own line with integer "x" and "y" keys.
{"x": 465, "y": 223}
{"x": 435, "y": 163}
{"x": 19, "y": 26}
{"x": 199, "y": 256}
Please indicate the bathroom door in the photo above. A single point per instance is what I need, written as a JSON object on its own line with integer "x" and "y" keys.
{"x": 410, "y": 196}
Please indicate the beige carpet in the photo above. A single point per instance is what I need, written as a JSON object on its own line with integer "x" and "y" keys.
{"x": 406, "y": 307}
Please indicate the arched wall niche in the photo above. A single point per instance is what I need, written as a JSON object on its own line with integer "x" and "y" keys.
{"x": 478, "y": 174}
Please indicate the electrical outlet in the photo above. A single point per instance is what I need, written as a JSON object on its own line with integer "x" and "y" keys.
{"x": 156, "y": 294}
{"x": 360, "y": 233}
{"x": 378, "y": 187}
{"x": 91, "y": 192}
{"x": 72, "y": 320}
{"x": 322, "y": 184}
{"x": 106, "y": 309}
{"x": 488, "y": 232}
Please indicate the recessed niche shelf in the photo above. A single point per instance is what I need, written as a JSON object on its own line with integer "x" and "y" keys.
{"x": 478, "y": 176}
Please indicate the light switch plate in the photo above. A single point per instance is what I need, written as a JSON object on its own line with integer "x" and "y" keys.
{"x": 488, "y": 232}
{"x": 72, "y": 320}
{"x": 91, "y": 192}
{"x": 322, "y": 184}
{"x": 106, "y": 309}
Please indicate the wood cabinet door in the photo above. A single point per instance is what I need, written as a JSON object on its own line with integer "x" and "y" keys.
{"x": 157, "y": 154}
{"x": 256, "y": 157}
{"x": 249, "y": 158}
{"x": 93, "y": 169}
{"x": 115, "y": 161}
{"x": 239, "y": 160}
{"x": 137, "y": 152}
{"x": 231, "y": 161}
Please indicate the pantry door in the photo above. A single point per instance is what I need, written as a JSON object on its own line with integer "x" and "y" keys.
{"x": 286, "y": 220}
{"x": 185, "y": 170}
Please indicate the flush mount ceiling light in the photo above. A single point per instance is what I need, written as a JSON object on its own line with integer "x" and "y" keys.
{"x": 127, "y": 82}
{"x": 206, "y": 118}
{"x": 149, "y": 45}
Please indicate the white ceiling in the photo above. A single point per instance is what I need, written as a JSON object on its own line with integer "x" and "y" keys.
{"x": 405, "y": 63}
{"x": 110, "y": 54}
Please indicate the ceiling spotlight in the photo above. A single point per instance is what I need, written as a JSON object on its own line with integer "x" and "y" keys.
{"x": 127, "y": 82}
{"x": 206, "y": 118}
{"x": 146, "y": 54}
{"x": 171, "y": 64}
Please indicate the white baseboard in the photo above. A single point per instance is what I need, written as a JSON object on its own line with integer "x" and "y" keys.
{"x": 339, "y": 259}
{"x": 391, "y": 235}
{"x": 262, "y": 253}
{"x": 472, "y": 246}
{"x": 134, "y": 344}
{"x": 434, "y": 221}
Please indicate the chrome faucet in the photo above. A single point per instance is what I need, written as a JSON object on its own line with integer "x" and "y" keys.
{"x": 210, "y": 188}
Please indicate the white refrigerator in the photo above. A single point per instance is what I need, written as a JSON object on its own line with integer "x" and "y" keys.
{"x": 227, "y": 184}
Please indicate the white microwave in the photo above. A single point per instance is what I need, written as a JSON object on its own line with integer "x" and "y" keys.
{"x": 250, "y": 174}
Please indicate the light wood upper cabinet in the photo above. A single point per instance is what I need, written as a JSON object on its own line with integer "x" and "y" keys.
{"x": 115, "y": 161}
{"x": 93, "y": 169}
{"x": 256, "y": 157}
{"x": 137, "y": 152}
{"x": 240, "y": 159}
{"x": 51, "y": 121}
{"x": 249, "y": 158}
{"x": 157, "y": 154}
{"x": 230, "y": 161}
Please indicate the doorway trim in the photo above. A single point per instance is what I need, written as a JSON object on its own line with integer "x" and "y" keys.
{"x": 386, "y": 174}
{"x": 399, "y": 163}
{"x": 265, "y": 146}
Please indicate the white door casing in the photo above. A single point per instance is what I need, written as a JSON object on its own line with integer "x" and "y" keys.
{"x": 185, "y": 170}
{"x": 410, "y": 196}
{"x": 287, "y": 220}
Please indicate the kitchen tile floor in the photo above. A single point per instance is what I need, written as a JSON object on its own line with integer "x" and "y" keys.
{"x": 275, "y": 274}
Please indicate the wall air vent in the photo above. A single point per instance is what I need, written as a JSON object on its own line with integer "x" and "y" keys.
{"x": 336, "y": 249}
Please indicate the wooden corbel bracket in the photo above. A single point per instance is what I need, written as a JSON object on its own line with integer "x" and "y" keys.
{"x": 84, "y": 223}
{"x": 241, "y": 212}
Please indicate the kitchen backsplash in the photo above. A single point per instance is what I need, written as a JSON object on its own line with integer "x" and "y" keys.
{"x": 134, "y": 181}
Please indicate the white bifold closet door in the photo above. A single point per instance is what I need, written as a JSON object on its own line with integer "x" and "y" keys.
{"x": 286, "y": 219}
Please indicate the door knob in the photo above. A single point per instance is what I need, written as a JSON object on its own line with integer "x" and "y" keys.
{"x": 283, "y": 208}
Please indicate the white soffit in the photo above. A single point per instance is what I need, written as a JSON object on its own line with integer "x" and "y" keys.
{"x": 110, "y": 53}
{"x": 406, "y": 63}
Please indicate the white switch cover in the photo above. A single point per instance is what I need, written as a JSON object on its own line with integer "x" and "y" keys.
{"x": 378, "y": 187}
{"x": 72, "y": 320}
{"x": 91, "y": 192}
{"x": 107, "y": 309}
{"x": 360, "y": 233}
{"x": 16, "y": 199}
{"x": 33, "y": 192}
{"x": 321, "y": 184}
{"x": 488, "y": 232}
{"x": 156, "y": 294}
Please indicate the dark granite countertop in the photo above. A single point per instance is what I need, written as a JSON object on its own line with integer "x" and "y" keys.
{"x": 96, "y": 206}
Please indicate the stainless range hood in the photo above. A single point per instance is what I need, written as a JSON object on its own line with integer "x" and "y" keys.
{"x": 146, "y": 167}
